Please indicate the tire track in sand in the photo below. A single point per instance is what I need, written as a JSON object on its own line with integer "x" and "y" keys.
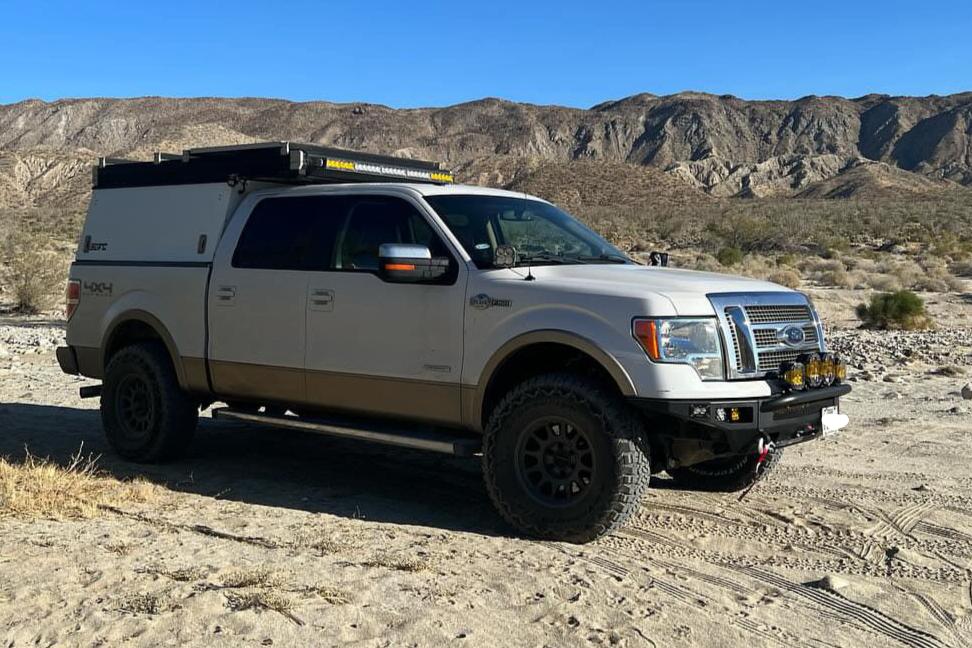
{"x": 851, "y": 610}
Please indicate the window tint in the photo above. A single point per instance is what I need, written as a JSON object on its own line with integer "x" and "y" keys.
{"x": 291, "y": 233}
{"x": 373, "y": 221}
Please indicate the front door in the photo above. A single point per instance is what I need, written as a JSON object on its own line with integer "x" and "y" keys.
{"x": 382, "y": 348}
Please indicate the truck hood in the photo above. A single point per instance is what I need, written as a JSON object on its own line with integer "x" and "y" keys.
{"x": 687, "y": 290}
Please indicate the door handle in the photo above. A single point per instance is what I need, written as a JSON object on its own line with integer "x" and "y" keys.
{"x": 321, "y": 299}
{"x": 225, "y": 295}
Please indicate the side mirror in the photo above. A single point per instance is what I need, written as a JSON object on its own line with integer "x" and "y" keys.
{"x": 658, "y": 259}
{"x": 404, "y": 263}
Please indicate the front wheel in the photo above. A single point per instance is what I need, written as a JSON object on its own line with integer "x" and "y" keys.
{"x": 727, "y": 475}
{"x": 562, "y": 459}
{"x": 146, "y": 416}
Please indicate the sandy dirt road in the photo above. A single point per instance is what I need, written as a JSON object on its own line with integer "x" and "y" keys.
{"x": 862, "y": 539}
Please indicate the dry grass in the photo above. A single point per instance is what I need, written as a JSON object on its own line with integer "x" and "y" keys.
{"x": 398, "y": 562}
{"x": 320, "y": 540}
{"x": 263, "y": 600}
{"x": 257, "y": 577}
{"x": 41, "y": 488}
{"x": 182, "y": 574}
{"x": 330, "y": 595}
{"x": 146, "y": 603}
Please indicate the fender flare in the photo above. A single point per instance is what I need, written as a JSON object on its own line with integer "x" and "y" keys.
{"x": 475, "y": 400}
{"x": 156, "y": 325}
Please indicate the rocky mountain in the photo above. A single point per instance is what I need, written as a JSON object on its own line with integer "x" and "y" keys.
{"x": 688, "y": 144}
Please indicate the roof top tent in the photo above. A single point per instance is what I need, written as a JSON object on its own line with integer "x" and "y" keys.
{"x": 174, "y": 208}
{"x": 275, "y": 162}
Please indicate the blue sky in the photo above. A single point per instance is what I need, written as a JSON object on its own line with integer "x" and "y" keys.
{"x": 430, "y": 53}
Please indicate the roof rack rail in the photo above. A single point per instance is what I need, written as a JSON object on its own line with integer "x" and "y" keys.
{"x": 279, "y": 162}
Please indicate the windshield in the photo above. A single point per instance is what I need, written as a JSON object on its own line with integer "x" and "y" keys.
{"x": 541, "y": 233}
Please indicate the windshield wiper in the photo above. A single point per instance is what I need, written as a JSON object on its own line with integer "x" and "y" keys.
{"x": 604, "y": 258}
{"x": 544, "y": 256}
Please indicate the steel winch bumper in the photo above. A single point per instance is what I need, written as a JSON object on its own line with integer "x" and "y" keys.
{"x": 692, "y": 431}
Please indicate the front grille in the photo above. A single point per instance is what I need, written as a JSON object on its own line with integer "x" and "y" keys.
{"x": 752, "y": 327}
{"x": 769, "y": 337}
{"x": 771, "y": 360}
{"x": 772, "y": 314}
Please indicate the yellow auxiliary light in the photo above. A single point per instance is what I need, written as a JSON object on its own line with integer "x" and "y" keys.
{"x": 840, "y": 370}
{"x": 814, "y": 372}
{"x": 793, "y": 375}
{"x": 829, "y": 370}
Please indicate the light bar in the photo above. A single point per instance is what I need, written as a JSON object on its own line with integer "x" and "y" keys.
{"x": 352, "y": 166}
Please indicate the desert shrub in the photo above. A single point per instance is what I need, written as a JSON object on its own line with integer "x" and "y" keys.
{"x": 786, "y": 277}
{"x": 962, "y": 269}
{"x": 930, "y": 284}
{"x": 883, "y": 282}
{"x": 788, "y": 259}
{"x": 898, "y": 310}
{"x": 729, "y": 256}
{"x": 954, "y": 284}
{"x": 32, "y": 274}
{"x": 706, "y": 263}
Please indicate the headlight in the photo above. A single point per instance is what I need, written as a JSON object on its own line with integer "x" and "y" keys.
{"x": 691, "y": 341}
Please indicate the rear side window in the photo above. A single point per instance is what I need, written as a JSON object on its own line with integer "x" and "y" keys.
{"x": 291, "y": 233}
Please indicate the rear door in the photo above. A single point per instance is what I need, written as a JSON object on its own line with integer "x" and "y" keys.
{"x": 382, "y": 348}
{"x": 258, "y": 298}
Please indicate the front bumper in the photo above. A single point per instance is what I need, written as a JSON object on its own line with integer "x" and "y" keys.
{"x": 691, "y": 431}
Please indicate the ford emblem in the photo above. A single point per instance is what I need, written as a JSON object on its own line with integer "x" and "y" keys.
{"x": 793, "y": 335}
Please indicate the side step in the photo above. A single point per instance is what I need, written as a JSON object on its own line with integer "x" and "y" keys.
{"x": 425, "y": 438}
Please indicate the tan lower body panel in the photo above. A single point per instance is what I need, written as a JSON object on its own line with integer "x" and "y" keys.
{"x": 434, "y": 402}
{"x": 194, "y": 370}
{"x": 258, "y": 382}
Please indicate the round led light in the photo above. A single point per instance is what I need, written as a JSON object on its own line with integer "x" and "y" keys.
{"x": 829, "y": 370}
{"x": 792, "y": 374}
{"x": 814, "y": 372}
{"x": 840, "y": 370}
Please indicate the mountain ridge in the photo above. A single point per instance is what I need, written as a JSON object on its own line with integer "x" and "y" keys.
{"x": 721, "y": 145}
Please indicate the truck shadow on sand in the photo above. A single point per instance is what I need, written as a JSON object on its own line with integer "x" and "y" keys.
{"x": 272, "y": 467}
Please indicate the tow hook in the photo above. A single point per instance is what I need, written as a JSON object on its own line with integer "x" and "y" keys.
{"x": 764, "y": 449}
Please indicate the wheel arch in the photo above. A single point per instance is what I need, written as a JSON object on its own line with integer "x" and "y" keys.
{"x": 135, "y": 326}
{"x": 555, "y": 350}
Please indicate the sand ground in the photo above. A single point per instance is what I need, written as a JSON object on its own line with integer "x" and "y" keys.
{"x": 862, "y": 539}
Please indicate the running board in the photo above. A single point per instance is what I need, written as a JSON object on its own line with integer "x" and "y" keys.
{"x": 431, "y": 439}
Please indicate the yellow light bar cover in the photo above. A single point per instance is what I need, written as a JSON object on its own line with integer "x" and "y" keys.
{"x": 387, "y": 170}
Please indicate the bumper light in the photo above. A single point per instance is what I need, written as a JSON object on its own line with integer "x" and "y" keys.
{"x": 793, "y": 375}
{"x": 813, "y": 371}
{"x": 840, "y": 370}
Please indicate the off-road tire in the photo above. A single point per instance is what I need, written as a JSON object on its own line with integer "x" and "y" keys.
{"x": 619, "y": 461}
{"x": 146, "y": 416}
{"x": 724, "y": 476}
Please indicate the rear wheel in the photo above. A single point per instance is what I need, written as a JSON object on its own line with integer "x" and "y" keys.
{"x": 146, "y": 416}
{"x": 727, "y": 475}
{"x": 561, "y": 459}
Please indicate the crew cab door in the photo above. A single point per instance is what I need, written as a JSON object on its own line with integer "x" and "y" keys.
{"x": 380, "y": 348}
{"x": 258, "y": 298}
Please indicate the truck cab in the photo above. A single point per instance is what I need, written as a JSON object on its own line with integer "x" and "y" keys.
{"x": 370, "y": 297}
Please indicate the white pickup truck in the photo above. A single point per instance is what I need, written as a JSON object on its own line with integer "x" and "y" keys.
{"x": 367, "y": 296}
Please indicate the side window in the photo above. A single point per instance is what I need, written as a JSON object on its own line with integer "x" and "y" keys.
{"x": 291, "y": 233}
{"x": 375, "y": 220}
